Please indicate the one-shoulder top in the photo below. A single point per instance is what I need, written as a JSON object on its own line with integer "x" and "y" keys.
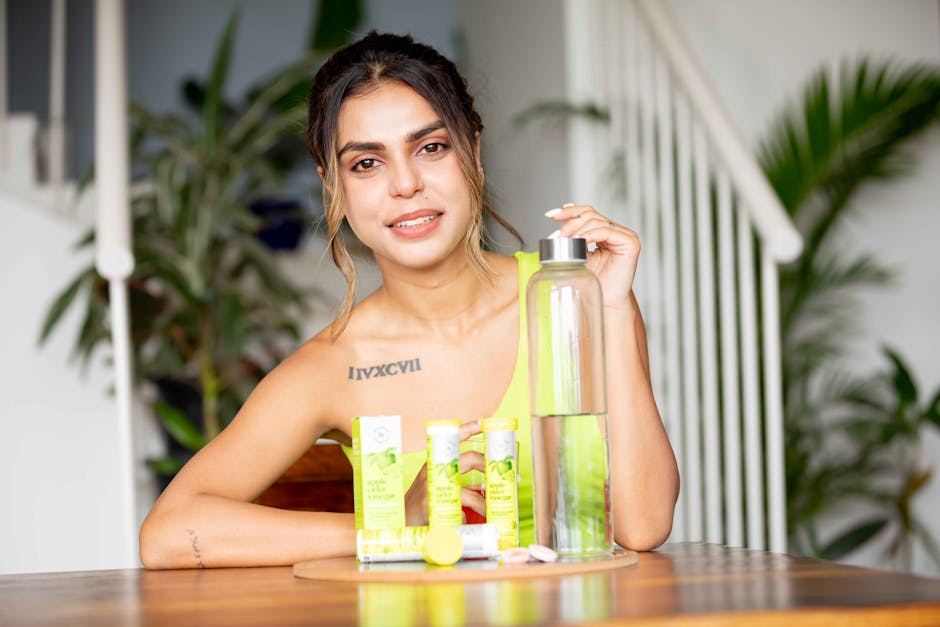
{"x": 514, "y": 404}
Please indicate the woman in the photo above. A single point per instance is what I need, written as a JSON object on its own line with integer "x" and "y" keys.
{"x": 396, "y": 140}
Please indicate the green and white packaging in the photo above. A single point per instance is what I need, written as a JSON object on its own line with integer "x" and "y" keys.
{"x": 443, "y": 469}
{"x": 378, "y": 492}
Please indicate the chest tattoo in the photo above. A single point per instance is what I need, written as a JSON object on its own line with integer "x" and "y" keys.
{"x": 390, "y": 369}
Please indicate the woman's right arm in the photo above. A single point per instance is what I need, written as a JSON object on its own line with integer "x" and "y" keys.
{"x": 206, "y": 517}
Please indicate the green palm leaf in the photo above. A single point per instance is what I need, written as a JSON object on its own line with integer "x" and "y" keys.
{"x": 850, "y": 127}
{"x": 63, "y": 301}
{"x": 853, "y": 538}
{"x": 212, "y": 106}
{"x": 820, "y": 146}
{"x": 902, "y": 379}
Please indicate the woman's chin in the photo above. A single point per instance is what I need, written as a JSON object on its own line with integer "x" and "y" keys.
{"x": 428, "y": 256}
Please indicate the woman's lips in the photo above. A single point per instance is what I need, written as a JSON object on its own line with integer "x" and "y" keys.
{"x": 416, "y": 223}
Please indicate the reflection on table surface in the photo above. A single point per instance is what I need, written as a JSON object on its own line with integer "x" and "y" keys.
{"x": 506, "y": 602}
{"x": 681, "y": 584}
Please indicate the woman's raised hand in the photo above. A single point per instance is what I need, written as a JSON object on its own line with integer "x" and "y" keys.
{"x": 614, "y": 260}
{"x": 416, "y": 499}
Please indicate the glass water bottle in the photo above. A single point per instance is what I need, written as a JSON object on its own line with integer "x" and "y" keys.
{"x": 571, "y": 471}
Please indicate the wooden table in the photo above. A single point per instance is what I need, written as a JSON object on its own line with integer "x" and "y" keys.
{"x": 682, "y": 584}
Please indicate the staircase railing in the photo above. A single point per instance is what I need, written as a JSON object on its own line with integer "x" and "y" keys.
{"x": 713, "y": 231}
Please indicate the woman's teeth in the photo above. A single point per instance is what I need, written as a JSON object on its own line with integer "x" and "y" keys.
{"x": 414, "y": 222}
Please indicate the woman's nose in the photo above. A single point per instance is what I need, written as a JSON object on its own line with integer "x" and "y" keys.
{"x": 406, "y": 180}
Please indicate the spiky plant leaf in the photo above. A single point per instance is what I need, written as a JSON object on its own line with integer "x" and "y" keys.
{"x": 212, "y": 113}
{"x": 180, "y": 427}
{"x": 902, "y": 379}
{"x": 559, "y": 111}
{"x": 853, "y": 538}
{"x": 62, "y": 302}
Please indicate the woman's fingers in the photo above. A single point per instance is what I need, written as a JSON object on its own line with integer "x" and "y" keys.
{"x": 616, "y": 252}
{"x": 472, "y": 460}
{"x": 584, "y": 220}
{"x": 416, "y": 499}
{"x": 469, "y": 429}
{"x": 474, "y": 500}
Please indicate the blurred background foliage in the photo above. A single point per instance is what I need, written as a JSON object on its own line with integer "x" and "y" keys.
{"x": 212, "y": 310}
{"x": 848, "y": 438}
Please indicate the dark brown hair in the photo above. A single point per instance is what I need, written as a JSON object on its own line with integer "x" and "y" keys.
{"x": 364, "y": 65}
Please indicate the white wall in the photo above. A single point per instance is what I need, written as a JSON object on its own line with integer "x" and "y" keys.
{"x": 61, "y": 499}
{"x": 514, "y": 58}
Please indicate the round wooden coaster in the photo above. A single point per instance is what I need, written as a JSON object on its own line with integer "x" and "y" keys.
{"x": 348, "y": 569}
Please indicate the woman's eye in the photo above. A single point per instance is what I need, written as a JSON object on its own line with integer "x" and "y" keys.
{"x": 363, "y": 165}
{"x": 433, "y": 147}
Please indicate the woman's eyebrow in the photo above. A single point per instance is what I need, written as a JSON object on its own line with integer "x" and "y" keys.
{"x": 377, "y": 146}
{"x": 360, "y": 147}
{"x": 430, "y": 128}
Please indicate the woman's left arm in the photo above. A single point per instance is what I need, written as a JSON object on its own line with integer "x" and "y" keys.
{"x": 644, "y": 475}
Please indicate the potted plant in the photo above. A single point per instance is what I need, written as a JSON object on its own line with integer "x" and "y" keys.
{"x": 818, "y": 156}
{"x": 212, "y": 311}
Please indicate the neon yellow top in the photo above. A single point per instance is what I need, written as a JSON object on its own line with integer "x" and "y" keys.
{"x": 515, "y": 404}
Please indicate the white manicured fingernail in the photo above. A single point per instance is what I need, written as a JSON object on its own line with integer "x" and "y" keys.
{"x": 551, "y": 213}
{"x": 567, "y": 204}
{"x": 555, "y": 234}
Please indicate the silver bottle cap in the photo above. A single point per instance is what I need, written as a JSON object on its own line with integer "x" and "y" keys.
{"x": 563, "y": 249}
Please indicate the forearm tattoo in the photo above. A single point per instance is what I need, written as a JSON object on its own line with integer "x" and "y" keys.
{"x": 194, "y": 539}
{"x": 390, "y": 369}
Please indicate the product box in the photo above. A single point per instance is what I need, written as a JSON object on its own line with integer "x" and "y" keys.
{"x": 443, "y": 471}
{"x": 377, "y": 472}
{"x": 502, "y": 490}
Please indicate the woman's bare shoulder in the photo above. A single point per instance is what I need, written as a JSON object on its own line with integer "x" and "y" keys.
{"x": 318, "y": 363}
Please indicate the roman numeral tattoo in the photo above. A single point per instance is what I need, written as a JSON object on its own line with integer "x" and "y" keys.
{"x": 390, "y": 369}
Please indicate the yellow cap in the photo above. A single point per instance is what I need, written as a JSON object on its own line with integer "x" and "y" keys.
{"x": 499, "y": 424}
{"x": 441, "y": 423}
{"x": 443, "y": 546}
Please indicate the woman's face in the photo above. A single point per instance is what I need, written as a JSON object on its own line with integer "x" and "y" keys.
{"x": 405, "y": 194}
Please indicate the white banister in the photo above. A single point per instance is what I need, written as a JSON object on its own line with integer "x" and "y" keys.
{"x": 730, "y": 406}
{"x": 649, "y": 224}
{"x": 773, "y": 406}
{"x": 698, "y": 199}
{"x": 579, "y": 88}
{"x": 114, "y": 258}
{"x": 631, "y": 128}
{"x": 672, "y": 402}
{"x": 56, "y": 146}
{"x": 753, "y": 467}
{"x": 767, "y": 213}
{"x": 691, "y": 464}
{"x": 708, "y": 358}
